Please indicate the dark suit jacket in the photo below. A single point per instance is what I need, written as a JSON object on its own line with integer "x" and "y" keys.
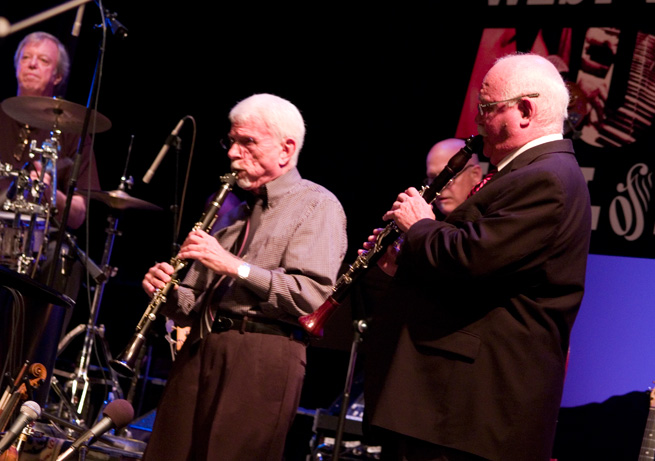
{"x": 471, "y": 352}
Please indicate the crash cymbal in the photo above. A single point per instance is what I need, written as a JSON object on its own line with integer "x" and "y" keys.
{"x": 119, "y": 199}
{"x": 49, "y": 113}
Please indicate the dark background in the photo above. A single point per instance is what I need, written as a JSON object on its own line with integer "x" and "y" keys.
{"x": 377, "y": 86}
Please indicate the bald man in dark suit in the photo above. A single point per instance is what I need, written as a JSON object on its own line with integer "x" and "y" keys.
{"x": 472, "y": 363}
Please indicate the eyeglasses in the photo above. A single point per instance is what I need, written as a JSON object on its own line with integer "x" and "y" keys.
{"x": 245, "y": 142}
{"x": 483, "y": 107}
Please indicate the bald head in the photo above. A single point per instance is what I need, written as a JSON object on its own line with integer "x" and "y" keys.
{"x": 458, "y": 190}
{"x": 519, "y": 74}
{"x": 439, "y": 155}
{"x": 524, "y": 97}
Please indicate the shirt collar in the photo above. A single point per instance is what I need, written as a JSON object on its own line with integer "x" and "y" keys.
{"x": 273, "y": 190}
{"x": 533, "y": 143}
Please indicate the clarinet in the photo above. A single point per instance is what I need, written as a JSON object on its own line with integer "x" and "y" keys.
{"x": 125, "y": 363}
{"x": 313, "y": 323}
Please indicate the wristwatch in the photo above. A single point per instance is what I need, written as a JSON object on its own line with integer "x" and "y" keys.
{"x": 243, "y": 270}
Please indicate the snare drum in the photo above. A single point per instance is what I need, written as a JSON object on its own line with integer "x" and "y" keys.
{"x": 13, "y": 239}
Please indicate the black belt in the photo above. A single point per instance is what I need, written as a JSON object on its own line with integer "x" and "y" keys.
{"x": 256, "y": 325}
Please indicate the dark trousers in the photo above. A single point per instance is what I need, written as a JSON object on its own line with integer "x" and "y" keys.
{"x": 398, "y": 447}
{"x": 230, "y": 396}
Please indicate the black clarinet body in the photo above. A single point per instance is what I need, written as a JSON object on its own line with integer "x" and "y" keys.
{"x": 313, "y": 323}
{"x": 125, "y": 363}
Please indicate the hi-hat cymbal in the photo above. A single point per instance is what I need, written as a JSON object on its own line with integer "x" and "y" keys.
{"x": 119, "y": 199}
{"x": 50, "y": 113}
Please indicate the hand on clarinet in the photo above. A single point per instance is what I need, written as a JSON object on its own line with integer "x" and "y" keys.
{"x": 157, "y": 277}
{"x": 387, "y": 261}
{"x": 202, "y": 247}
{"x": 409, "y": 208}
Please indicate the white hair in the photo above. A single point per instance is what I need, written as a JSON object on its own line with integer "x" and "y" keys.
{"x": 279, "y": 115}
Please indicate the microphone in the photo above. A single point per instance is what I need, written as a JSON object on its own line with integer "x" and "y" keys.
{"x": 77, "y": 25}
{"x": 5, "y": 27}
{"x": 151, "y": 171}
{"x": 118, "y": 414}
{"x": 29, "y": 411}
{"x": 117, "y": 29}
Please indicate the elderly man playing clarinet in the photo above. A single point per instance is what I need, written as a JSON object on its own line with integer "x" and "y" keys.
{"x": 235, "y": 385}
{"x": 474, "y": 360}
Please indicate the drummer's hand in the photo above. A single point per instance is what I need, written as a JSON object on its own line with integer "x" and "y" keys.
{"x": 157, "y": 277}
{"x": 36, "y": 173}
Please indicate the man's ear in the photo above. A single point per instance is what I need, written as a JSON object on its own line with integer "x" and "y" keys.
{"x": 476, "y": 173}
{"x": 288, "y": 150}
{"x": 527, "y": 108}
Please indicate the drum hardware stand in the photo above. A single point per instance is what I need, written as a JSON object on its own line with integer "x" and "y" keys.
{"x": 72, "y": 411}
{"x": 91, "y": 330}
{"x": 21, "y": 246}
{"x": 96, "y": 273}
{"x": 49, "y": 154}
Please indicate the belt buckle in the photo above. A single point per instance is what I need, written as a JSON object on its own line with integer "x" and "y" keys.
{"x": 223, "y": 324}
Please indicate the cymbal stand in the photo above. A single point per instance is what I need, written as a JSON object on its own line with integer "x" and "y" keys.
{"x": 92, "y": 330}
{"x": 126, "y": 182}
{"x": 82, "y": 382}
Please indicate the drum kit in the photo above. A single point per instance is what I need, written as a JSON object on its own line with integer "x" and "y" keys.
{"x": 28, "y": 211}
{"x": 26, "y": 216}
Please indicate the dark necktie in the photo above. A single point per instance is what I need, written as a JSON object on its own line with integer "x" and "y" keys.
{"x": 484, "y": 181}
{"x": 222, "y": 284}
{"x": 253, "y": 223}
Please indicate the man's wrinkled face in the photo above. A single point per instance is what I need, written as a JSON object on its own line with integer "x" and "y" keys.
{"x": 255, "y": 153}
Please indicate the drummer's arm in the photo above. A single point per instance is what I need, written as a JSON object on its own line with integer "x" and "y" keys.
{"x": 77, "y": 212}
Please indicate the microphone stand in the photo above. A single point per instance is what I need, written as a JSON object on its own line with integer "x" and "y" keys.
{"x": 93, "y": 97}
{"x": 360, "y": 327}
{"x": 175, "y": 207}
{"x": 8, "y": 29}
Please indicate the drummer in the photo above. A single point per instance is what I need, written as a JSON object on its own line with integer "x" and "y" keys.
{"x": 42, "y": 65}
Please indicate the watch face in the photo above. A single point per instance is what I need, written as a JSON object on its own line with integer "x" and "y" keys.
{"x": 243, "y": 270}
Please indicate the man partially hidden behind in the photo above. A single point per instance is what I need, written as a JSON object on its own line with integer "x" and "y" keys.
{"x": 458, "y": 190}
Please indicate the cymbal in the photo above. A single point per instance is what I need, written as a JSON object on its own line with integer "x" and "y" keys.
{"x": 49, "y": 113}
{"x": 119, "y": 199}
